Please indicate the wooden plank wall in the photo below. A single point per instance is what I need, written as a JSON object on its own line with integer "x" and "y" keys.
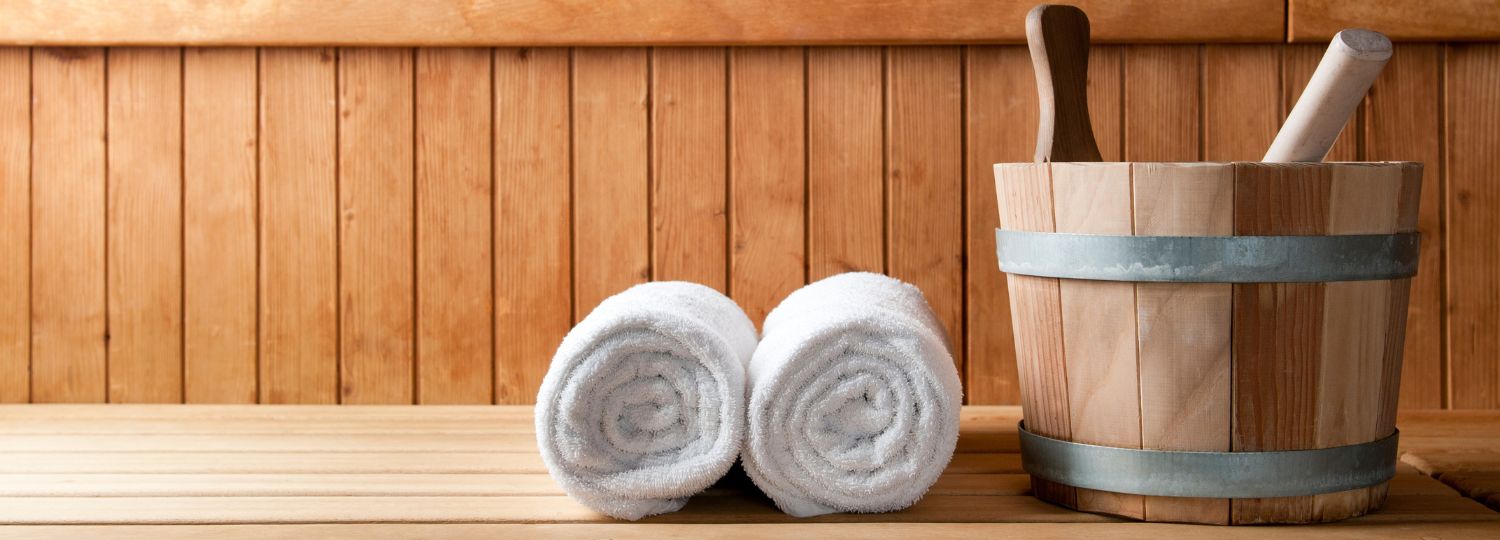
{"x": 398, "y": 225}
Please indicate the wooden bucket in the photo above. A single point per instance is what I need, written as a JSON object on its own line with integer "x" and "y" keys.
{"x": 1181, "y": 352}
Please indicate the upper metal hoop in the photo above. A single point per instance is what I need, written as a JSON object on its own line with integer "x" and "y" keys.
{"x": 1209, "y": 259}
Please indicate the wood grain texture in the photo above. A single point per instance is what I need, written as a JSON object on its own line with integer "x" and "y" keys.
{"x": 611, "y": 235}
{"x": 1472, "y": 105}
{"x": 1402, "y": 123}
{"x": 580, "y": 22}
{"x": 1184, "y": 329}
{"x": 689, "y": 145}
{"x": 845, "y": 161}
{"x": 1106, "y": 87}
{"x": 767, "y": 176}
{"x": 1001, "y": 114}
{"x": 68, "y": 335}
{"x": 144, "y": 224}
{"x": 230, "y": 466}
{"x": 1099, "y": 325}
{"x": 1277, "y": 339}
{"x": 299, "y": 227}
{"x": 220, "y": 188}
{"x": 1356, "y": 317}
{"x": 924, "y": 180}
{"x": 533, "y": 215}
{"x": 1161, "y": 103}
{"x": 1456, "y": 20}
{"x": 376, "y": 253}
{"x": 1298, "y": 64}
{"x": 455, "y": 272}
{"x": 1241, "y": 101}
{"x": 15, "y": 225}
{"x": 1058, "y": 39}
{"x": 1026, "y": 204}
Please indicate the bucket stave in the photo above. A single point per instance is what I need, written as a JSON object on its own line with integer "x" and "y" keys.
{"x": 1210, "y": 366}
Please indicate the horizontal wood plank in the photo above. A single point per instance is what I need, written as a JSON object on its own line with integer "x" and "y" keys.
{"x": 749, "y": 531}
{"x": 588, "y": 22}
{"x": 1312, "y": 21}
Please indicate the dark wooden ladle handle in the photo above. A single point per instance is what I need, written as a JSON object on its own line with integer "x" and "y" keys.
{"x": 1058, "y": 37}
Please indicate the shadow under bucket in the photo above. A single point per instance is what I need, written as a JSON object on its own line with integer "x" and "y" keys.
{"x": 1253, "y": 368}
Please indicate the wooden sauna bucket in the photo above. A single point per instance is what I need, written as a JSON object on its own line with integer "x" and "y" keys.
{"x": 1214, "y": 350}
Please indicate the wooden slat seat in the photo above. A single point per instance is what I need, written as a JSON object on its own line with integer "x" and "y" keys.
{"x": 165, "y": 471}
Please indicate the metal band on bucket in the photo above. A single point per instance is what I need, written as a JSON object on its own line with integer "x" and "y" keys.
{"x": 1208, "y": 259}
{"x": 1231, "y": 475}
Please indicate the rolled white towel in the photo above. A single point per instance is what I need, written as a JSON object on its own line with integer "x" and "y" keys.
{"x": 854, "y": 398}
{"x": 644, "y": 403}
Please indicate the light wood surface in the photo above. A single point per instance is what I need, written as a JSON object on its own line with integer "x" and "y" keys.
{"x": 455, "y": 278}
{"x": 375, "y": 220}
{"x": 1455, "y": 20}
{"x": 220, "y": 187}
{"x": 144, "y": 225}
{"x": 1099, "y": 324}
{"x": 611, "y": 244}
{"x": 846, "y": 193}
{"x": 299, "y": 269}
{"x": 1184, "y": 353}
{"x": 15, "y": 225}
{"x": 68, "y": 226}
{"x": 1472, "y": 104}
{"x": 533, "y": 277}
{"x": 924, "y": 179}
{"x": 581, "y": 22}
{"x": 402, "y": 478}
{"x": 767, "y": 197}
{"x": 689, "y": 156}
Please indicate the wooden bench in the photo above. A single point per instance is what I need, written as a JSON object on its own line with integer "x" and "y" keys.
{"x": 165, "y": 471}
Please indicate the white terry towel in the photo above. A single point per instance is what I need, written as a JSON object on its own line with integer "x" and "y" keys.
{"x": 854, "y": 398}
{"x": 644, "y": 404}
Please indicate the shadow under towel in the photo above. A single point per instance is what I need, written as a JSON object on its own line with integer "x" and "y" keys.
{"x": 854, "y": 398}
{"x": 644, "y": 403}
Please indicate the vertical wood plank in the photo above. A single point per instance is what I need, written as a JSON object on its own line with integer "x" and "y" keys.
{"x": 220, "y": 144}
{"x": 1276, "y": 352}
{"x": 1025, "y": 201}
{"x": 533, "y": 267}
{"x": 1099, "y": 325}
{"x": 15, "y": 224}
{"x": 1402, "y": 124}
{"x": 1001, "y": 128}
{"x": 68, "y": 334}
{"x": 611, "y": 235}
{"x": 1299, "y": 62}
{"x": 1241, "y": 101}
{"x": 1363, "y": 200}
{"x": 1472, "y": 104}
{"x": 924, "y": 179}
{"x": 767, "y": 176}
{"x": 1106, "y": 99}
{"x": 455, "y": 273}
{"x": 845, "y": 165}
{"x": 299, "y": 227}
{"x": 376, "y": 256}
{"x": 1161, "y": 103}
{"x": 689, "y": 228}
{"x": 1184, "y": 329}
{"x": 144, "y": 224}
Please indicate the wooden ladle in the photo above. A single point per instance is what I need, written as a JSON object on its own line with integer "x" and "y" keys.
{"x": 1058, "y": 37}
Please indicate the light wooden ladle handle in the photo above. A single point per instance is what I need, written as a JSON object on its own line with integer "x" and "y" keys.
{"x": 1354, "y": 59}
{"x": 1058, "y": 37}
